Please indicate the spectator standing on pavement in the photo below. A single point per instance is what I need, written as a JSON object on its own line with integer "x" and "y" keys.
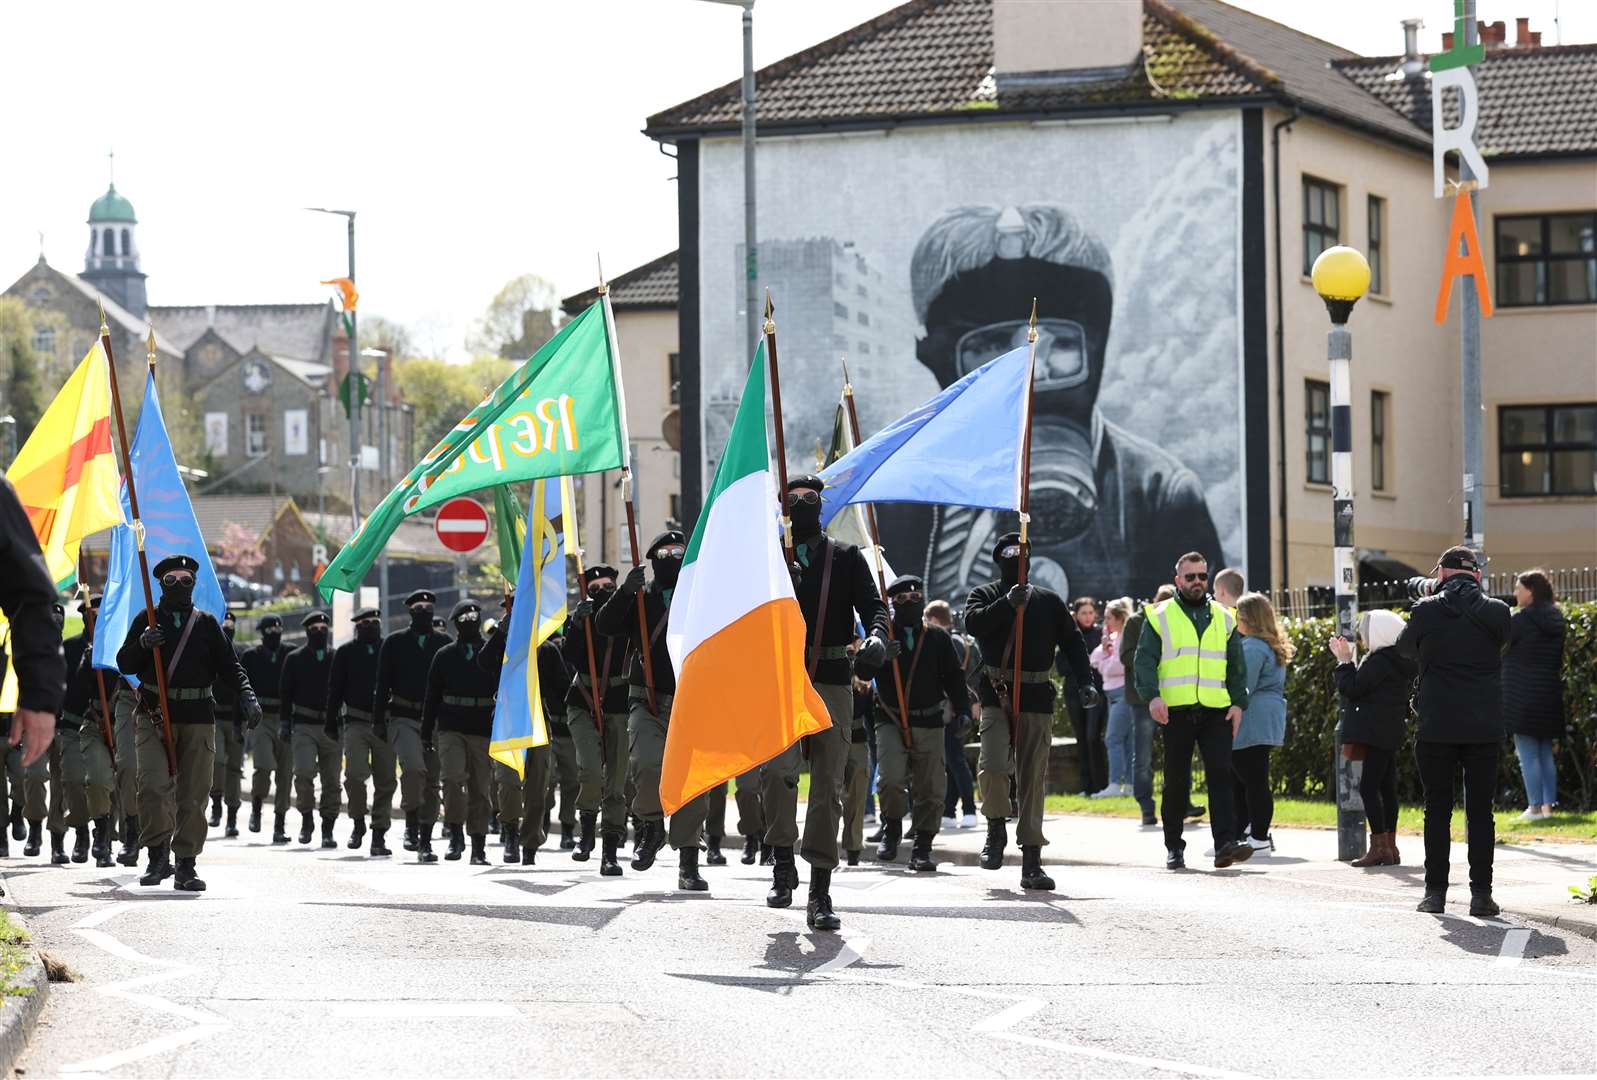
{"x": 1266, "y": 652}
{"x": 1374, "y": 708}
{"x": 1457, "y": 635}
{"x": 1191, "y": 670}
{"x": 1118, "y": 733}
{"x": 1229, "y": 586}
{"x": 961, "y": 782}
{"x": 1089, "y": 723}
{"x": 1141, "y": 719}
{"x": 1533, "y": 689}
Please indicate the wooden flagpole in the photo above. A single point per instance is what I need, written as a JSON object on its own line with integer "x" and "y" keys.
{"x": 593, "y": 663}
{"x": 90, "y": 617}
{"x": 781, "y": 444}
{"x": 1025, "y": 522}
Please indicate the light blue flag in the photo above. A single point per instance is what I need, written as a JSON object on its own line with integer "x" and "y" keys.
{"x": 961, "y": 448}
{"x": 169, "y": 529}
{"x": 539, "y": 612}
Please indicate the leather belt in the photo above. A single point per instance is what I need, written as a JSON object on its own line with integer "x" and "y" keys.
{"x": 357, "y": 714}
{"x": 469, "y": 702}
{"x": 181, "y": 693}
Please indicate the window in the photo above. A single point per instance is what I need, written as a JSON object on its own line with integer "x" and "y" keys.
{"x": 1547, "y": 450}
{"x": 1317, "y": 416}
{"x": 864, "y": 348}
{"x": 1546, "y": 259}
{"x": 127, "y": 242}
{"x": 1380, "y": 412}
{"x": 255, "y": 435}
{"x": 839, "y": 310}
{"x": 863, "y": 318}
{"x": 1377, "y": 248}
{"x": 216, "y": 434}
{"x": 673, "y": 374}
{"x": 1322, "y": 219}
{"x": 44, "y": 339}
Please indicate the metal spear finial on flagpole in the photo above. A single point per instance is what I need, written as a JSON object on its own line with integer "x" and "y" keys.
{"x": 149, "y": 348}
{"x": 604, "y": 286}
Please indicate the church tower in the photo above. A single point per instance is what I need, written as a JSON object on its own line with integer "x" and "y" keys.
{"x": 112, "y": 262}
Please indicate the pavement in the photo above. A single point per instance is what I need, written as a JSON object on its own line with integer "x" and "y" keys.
{"x": 1288, "y": 965}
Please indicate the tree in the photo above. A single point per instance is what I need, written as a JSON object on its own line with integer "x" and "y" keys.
{"x": 518, "y": 320}
{"x": 377, "y": 332}
{"x": 20, "y": 392}
{"x": 240, "y": 550}
{"x": 443, "y": 393}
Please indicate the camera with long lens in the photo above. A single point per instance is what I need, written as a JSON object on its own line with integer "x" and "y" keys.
{"x": 1418, "y": 587}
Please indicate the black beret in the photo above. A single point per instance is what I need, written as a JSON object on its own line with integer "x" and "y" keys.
{"x": 58, "y": 608}
{"x": 420, "y": 596}
{"x": 316, "y": 617}
{"x": 439, "y": 622}
{"x": 366, "y": 613}
{"x": 1004, "y": 541}
{"x": 807, "y": 480}
{"x": 670, "y": 536}
{"x": 597, "y": 571}
{"x": 465, "y": 606}
{"x": 270, "y": 622}
{"x": 904, "y": 583}
{"x": 227, "y": 616}
{"x": 174, "y": 562}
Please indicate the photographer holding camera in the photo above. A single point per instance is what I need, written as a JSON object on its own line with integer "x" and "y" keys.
{"x": 1457, "y": 634}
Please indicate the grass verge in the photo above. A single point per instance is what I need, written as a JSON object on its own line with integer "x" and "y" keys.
{"x": 14, "y": 956}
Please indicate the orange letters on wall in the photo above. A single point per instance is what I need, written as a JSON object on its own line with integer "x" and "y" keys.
{"x": 1462, "y": 228}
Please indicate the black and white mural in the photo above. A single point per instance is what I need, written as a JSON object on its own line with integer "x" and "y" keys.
{"x": 916, "y": 253}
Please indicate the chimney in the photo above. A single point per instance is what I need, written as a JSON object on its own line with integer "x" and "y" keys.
{"x": 1447, "y": 41}
{"x": 1493, "y": 35}
{"x": 1044, "y": 44}
{"x": 1524, "y": 36}
{"x": 1413, "y": 66}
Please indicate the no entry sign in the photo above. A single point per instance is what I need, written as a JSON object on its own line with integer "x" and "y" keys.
{"x": 461, "y": 525}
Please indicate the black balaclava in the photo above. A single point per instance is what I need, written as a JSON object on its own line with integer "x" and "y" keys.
{"x": 177, "y": 597}
{"x": 271, "y": 629}
{"x": 1008, "y": 569}
{"x": 316, "y": 634}
{"x": 666, "y": 570}
{"x": 229, "y": 627}
{"x": 421, "y": 617}
{"x": 907, "y": 613}
{"x": 806, "y": 517}
{"x": 368, "y": 626}
{"x": 467, "y": 618}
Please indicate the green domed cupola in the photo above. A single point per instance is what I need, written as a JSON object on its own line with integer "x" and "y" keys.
{"x": 111, "y": 206}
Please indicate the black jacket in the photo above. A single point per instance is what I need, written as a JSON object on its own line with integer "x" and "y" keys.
{"x": 935, "y": 678}
{"x": 403, "y": 662}
{"x": 852, "y": 589}
{"x": 304, "y": 686}
{"x": 352, "y": 683}
{"x": 1050, "y": 629}
{"x": 265, "y": 669}
{"x": 455, "y": 674}
{"x": 226, "y": 698}
{"x": 206, "y": 659}
{"x": 81, "y": 692}
{"x": 26, "y": 596}
{"x": 1533, "y": 672}
{"x": 619, "y": 619}
{"x": 1375, "y": 697}
{"x": 609, "y": 658}
{"x": 1457, "y": 636}
{"x": 554, "y": 678}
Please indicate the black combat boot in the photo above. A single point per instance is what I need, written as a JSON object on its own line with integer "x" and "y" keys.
{"x": 357, "y": 836}
{"x": 766, "y": 855}
{"x": 185, "y": 879}
{"x": 255, "y": 815}
{"x": 688, "y": 879}
{"x": 17, "y": 832}
{"x": 232, "y": 821}
{"x": 102, "y": 841}
{"x": 784, "y": 879}
{"x": 129, "y": 855}
{"x": 35, "y": 838}
{"x": 280, "y": 827}
{"x": 609, "y": 866}
{"x": 328, "y": 821}
{"x": 512, "y": 835}
{"x": 411, "y": 828}
{"x": 712, "y": 852}
{"x": 5, "y": 844}
{"x": 818, "y": 912}
{"x": 457, "y": 842}
{"x": 424, "y": 845}
{"x": 216, "y": 809}
{"x": 529, "y": 854}
{"x": 307, "y": 827}
{"x": 887, "y": 850}
{"x": 751, "y": 850}
{"x": 649, "y": 845}
{"x": 380, "y": 842}
{"x": 567, "y": 840}
{"x": 992, "y": 852}
{"x": 1031, "y": 875}
{"x": 58, "y": 848}
{"x": 80, "y": 843}
{"x": 160, "y": 867}
{"x": 920, "y": 857}
{"x": 479, "y": 849}
{"x": 853, "y": 856}
{"x": 587, "y": 820}
{"x": 493, "y": 824}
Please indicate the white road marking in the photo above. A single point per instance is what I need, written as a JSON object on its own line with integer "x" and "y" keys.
{"x": 420, "y": 1010}
{"x": 854, "y": 946}
{"x": 1008, "y": 1018}
{"x": 143, "y": 1050}
{"x": 1513, "y": 950}
{"x": 1110, "y": 1055}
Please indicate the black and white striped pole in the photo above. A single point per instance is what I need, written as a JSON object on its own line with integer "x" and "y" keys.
{"x": 1341, "y": 276}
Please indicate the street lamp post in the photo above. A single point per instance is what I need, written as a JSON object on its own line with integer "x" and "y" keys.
{"x": 354, "y": 380}
{"x": 1341, "y": 276}
{"x": 382, "y": 468}
{"x": 751, "y": 268}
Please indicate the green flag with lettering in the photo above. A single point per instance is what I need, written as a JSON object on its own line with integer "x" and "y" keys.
{"x": 560, "y": 414}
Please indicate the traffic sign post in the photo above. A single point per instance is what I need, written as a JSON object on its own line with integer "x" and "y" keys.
{"x": 461, "y": 525}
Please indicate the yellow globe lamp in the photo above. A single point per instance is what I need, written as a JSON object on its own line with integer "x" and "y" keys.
{"x": 1341, "y": 276}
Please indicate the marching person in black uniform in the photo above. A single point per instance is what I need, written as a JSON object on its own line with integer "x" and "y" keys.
{"x": 601, "y": 756}
{"x": 990, "y": 615}
{"x": 457, "y": 717}
{"x": 351, "y": 687}
{"x": 302, "y": 717}
{"x": 403, "y": 662}
{"x": 227, "y": 779}
{"x": 932, "y": 677}
{"x": 833, "y": 582}
{"x": 196, "y": 654}
{"x": 857, "y": 773}
{"x": 273, "y": 756}
{"x": 99, "y": 775}
{"x": 647, "y": 725}
{"x": 554, "y": 682}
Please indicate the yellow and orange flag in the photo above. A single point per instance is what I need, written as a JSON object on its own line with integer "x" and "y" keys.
{"x": 66, "y": 474}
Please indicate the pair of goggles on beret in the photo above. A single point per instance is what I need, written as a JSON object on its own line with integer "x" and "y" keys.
{"x": 805, "y": 496}
{"x": 1009, "y": 551}
{"x": 669, "y": 551}
{"x": 1061, "y": 350}
{"x": 177, "y": 577}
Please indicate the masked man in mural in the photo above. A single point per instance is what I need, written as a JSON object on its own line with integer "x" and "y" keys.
{"x": 1110, "y": 511}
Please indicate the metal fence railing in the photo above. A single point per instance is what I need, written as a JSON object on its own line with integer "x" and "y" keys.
{"x": 1570, "y": 585}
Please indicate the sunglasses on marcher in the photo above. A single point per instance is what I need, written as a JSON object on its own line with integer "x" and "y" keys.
{"x": 806, "y": 496}
{"x": 177, "y": 579}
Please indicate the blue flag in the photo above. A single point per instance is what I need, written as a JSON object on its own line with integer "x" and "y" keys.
{"x": 961, "y": 448}
{"x": 169, "y": 529}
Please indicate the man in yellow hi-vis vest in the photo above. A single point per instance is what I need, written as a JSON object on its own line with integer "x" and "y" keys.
{"x": 1189, "y": 668}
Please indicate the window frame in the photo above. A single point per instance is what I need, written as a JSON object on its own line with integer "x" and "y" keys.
{"x": 250, "y": 420}
{"x": 673, "y": 378}
{"x": 1375, "y": 237}
{"x": 1311, "y": 387}
{"x": 1502, "y": 261}
{"x": 1548, "y": 447}
{"x": 1331, "y": 232}
{"x": 1380, "y": 440}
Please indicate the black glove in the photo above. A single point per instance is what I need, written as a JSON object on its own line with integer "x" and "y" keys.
{"x": 428, "y": 745}
{"x": 583, "y": 611}
{"x": 285, "y": 731}
{"x": 152, "y": 638}
{"x": 796, "y": 572}
{"x": 632, "y": 584}
{"x": 1018, "y": 595}
{"x": 871, "y": 656}
{"x": 894, "y": 649}
{"x": 251, "y": 710}
{"x": 1090, "y": 697}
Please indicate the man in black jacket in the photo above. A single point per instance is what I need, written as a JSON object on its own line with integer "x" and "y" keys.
{"x": 992, "y": 614}
{"x": 601, "y": 756}
{"x": 933, "y": 678}
{"x": 95, "y": 689}
{"x": 227, "y": 777}
{"x": 832, "y": 582}
{"x": 459, "y": 708}
{"x": 367, "y": 756}
{"x": 272, "y": 757}
{"x": 302, "y": 715}
{"x": 402, "y": 666}
{"x": 554, "y": 681}
{"x": 1457, "y": 636}
{"x": 196, "y": 654}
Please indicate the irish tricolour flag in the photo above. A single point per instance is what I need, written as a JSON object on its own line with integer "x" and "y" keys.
{"x": 736, "y": 632}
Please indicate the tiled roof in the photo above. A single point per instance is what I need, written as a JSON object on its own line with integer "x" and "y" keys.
{"x": 213, "y": 513}
{"x": 1534, "y": 101}
{"x": 934, "y": 59}
{"x": 121, "y": 316}
{"x": 652, "y": 285}
{"x": 299, "y": 331}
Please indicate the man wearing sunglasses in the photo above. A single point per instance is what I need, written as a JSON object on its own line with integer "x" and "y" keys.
{"x": 367, "y": 755}
{"x": 601, "y": 756}
{"x": 1020, "y": 743}
{"x": 647, "y": 726}
{"x": 402, "y": 665}
{"x": 1189, "y": 668}
{"x": 303, "y": 717}
{"x": 833, "y": 583}
{"x": 272, "y": 757}
{"x": 197, "y": 655}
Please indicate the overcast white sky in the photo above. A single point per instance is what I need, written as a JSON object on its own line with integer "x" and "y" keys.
{"x": 480, "y": 140}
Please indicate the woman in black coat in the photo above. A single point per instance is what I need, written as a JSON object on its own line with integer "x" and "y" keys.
{"x": 1375, "y": 707}
{"x": 1533, "y": 689}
